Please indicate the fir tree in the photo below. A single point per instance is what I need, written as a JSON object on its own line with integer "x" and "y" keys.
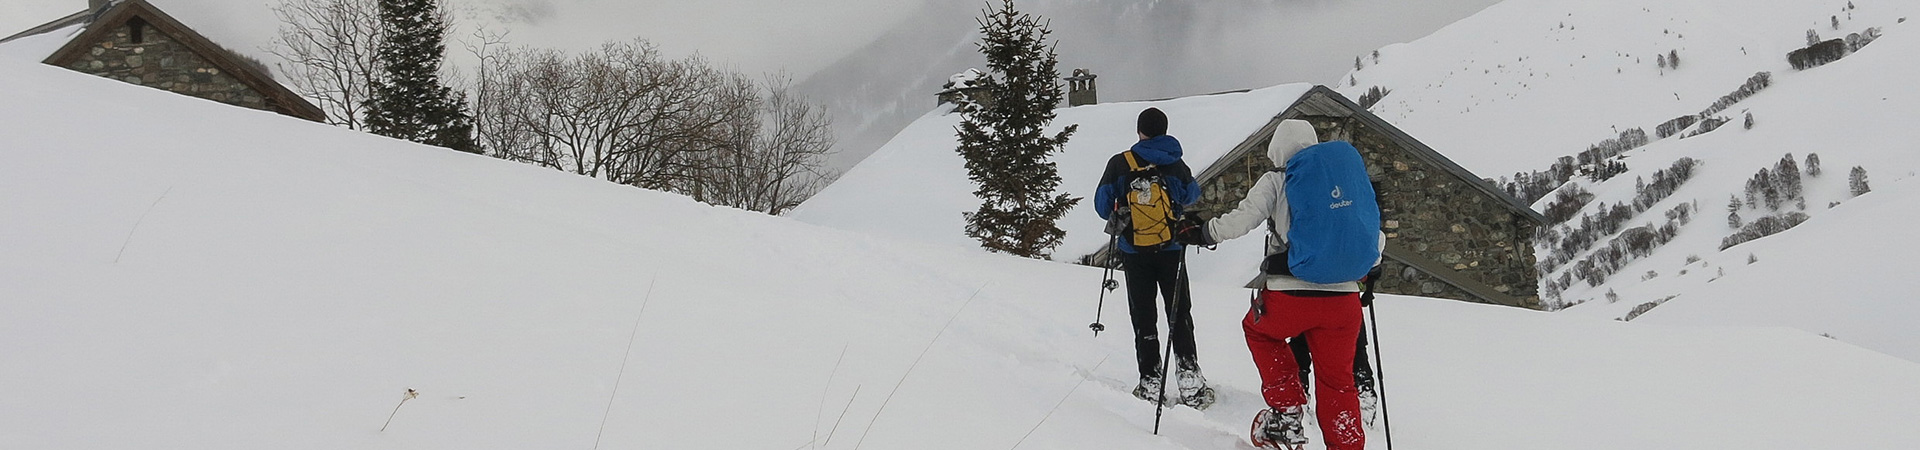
{"x": 410, "y": 102}
{"x": 1004, "y": 143}
{"x": 1857, "y": 181}
{"x": 1813, "y": 164}
{"x": 1786, "y": 174}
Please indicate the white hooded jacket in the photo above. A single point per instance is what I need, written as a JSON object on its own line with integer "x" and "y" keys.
{"x": 1267, "y": 203}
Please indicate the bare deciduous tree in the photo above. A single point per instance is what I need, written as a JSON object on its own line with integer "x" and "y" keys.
{"x": 780, "y": 162}
{"x": 330, "y": 49}
{"x": 625, "y": 114}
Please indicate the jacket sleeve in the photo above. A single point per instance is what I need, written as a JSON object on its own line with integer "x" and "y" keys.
{"x": 1103, "y": 195}
{"x": 1260, "y": 205}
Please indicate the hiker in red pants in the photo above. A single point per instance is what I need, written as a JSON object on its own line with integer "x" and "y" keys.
{"x": 1324, "y": 225}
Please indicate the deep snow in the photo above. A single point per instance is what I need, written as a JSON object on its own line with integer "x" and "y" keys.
{"x": 177, "y": 273}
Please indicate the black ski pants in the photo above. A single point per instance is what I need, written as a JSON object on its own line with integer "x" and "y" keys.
{"x": 1154, "y": 273}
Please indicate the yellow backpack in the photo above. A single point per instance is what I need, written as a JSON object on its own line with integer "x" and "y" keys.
{"x": 1150, "y": 211}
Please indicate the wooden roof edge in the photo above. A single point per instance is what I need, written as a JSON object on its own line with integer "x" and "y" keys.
{"x": 77, "y": 18}
{"x": 120, "y": 13}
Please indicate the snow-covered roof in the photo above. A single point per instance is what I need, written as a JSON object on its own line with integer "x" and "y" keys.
{"x": 965, "y": 79}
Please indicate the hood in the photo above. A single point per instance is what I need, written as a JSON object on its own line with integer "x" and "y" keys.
{"x": 1162, "y": 149}
{"x": 1289, "y": 138}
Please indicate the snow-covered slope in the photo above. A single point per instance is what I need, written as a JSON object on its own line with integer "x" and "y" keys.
{"x": 1527, "y": 81}
{"x": 176, "y": 273}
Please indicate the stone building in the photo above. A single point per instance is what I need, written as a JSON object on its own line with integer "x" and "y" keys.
{"x": 1450, "y": 234}
{"x": 134, "y": 42}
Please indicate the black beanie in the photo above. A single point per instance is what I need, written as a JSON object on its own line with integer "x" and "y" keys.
{"x": 1153, "y": 123}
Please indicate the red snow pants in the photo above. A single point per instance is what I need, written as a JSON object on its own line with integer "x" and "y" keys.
{"x": 1331, "y": 326}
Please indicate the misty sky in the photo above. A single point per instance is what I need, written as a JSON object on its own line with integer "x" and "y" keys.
{"x": 754, "y": 36}
{"x": 877, "y": 63}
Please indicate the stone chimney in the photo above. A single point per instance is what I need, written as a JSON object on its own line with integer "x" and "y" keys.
{"x": 963, "y": 88}
{"x": 1081, "y": 90}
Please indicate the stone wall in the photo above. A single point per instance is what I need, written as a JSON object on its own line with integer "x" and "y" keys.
{"x": 1426, "y": 210}
{"x": 160, "y": 61}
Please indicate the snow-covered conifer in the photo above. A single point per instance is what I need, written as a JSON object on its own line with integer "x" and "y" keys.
{"x": 1006, "y": 153}
{"x": 410, "y": 102}
{"x": 1857, "y": 181}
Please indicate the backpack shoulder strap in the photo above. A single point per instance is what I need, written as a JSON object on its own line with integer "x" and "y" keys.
{"x": 1133, "y": 162}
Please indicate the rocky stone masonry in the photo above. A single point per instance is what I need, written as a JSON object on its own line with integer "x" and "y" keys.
{"x": 1425, "y": 209}
{"x": 161, "y": 62}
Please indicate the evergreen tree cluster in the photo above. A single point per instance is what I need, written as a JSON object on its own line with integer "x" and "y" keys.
{"x": 1532, "y": 186}
{"x": 1756, "y": 83}
{"x": 1763, "y": 227}
{"x": 1671, "y": 60}
{"x": 1632, "y": 244}
{"x": 410, "y": 102}
{"x": 1565, "y": 242}
{"x": 1774, "y": 188}
{"x": 1603, "y": 170}
{"x": 1707, "y": 125}
{"x": 1005, "y": 146}
{"x": 1733, "y": 212}
{"x": 1373, "y": 96}
{"x": 1856, "y": 41}
{"x": 1567, "y": 201}
{"x": 1857, "y": 182}
{"x": 1593, "y": 163}
{"x": 1672, "y": 127}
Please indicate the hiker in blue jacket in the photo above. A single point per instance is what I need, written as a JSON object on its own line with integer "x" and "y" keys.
{"x": 1156, "y": 268}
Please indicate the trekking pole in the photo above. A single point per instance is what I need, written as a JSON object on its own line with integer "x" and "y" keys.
{"x": 1106, "y": 284}
{"x": 1180, "y": 279}
{"x": 1380, "y": 374}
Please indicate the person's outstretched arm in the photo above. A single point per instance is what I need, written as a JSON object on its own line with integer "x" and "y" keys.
{"x": 1257, "y": 208}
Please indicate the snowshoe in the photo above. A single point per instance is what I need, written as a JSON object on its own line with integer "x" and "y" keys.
{"x": 1279, "y": 429}
{"x": 1149, "y": 389}
{"x": 1194, "y": 391}
{"x": 1369, "y": 406}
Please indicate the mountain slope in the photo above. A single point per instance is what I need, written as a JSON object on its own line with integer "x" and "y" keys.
{"x": 1528, "y": 81}
{"x": 1142, "y": 49}
{"x": 176, "y": 273}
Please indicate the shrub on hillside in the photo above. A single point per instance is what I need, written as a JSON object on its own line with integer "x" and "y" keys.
{"x": 1755, "y": 84}
{"x": 1675, "y": 126}
{"x": 1857, "y": 181}
{"x": 1817, "y": 55}
{"x": 1373, "y": 96}
{"x": 1763, "y": 227}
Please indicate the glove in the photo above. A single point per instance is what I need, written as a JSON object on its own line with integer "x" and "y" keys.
{"x": 1366, "y": 294}
{"x": 1190, "y": 231}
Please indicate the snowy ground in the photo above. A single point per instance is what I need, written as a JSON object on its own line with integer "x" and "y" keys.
{"x": 175, "y": 274}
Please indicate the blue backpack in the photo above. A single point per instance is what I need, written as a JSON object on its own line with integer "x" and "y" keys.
{"x": 1334, "y": 233}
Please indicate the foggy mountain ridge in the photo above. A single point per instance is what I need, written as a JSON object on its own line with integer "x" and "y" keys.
{"x": 1141, "y": 49}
